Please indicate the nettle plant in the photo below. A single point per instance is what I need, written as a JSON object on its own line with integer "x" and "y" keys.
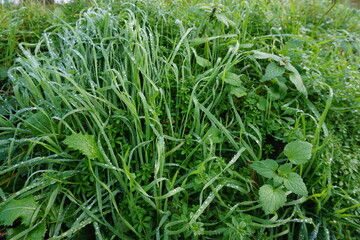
{"x": 281, "y": 178}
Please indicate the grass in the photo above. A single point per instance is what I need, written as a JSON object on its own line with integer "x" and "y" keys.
{"x": 153, "y": 120}
{"x": 26, "y": 23}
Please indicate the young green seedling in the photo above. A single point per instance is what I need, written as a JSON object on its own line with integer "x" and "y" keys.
{"x": 271, "y": 195}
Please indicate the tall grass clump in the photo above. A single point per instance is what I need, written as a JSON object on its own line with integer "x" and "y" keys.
{"x": 178, "y": 120}
{"x": 27, "y": 22}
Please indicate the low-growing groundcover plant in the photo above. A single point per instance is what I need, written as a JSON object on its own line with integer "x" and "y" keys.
{"x": 159, "y": 120}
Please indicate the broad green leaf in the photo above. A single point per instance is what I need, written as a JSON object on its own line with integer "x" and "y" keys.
{"x": 277, "y": 181}
{"x": 238, "y": 91}
{"x": 232, "y": 79}
{"x": 38, "y": 232}
{"x": 202, "y": 61}
{"x": 272, "y": 71}
{"x": 295, "y": 183}
{"x": 266, "y": 168}
{"x": 262, "y": 55}
{"x": 271, "y": 199}
{"x": 35, "y": 234}
{"x": 214, "y": 135}
{"x": 281, "y": 82}
{"x": 14, "y": 209}
{"x": 262, "y": 104}
{"x": 274, "y": 94}
{"x": 84, "y": 143}
{"x": 298, "y": 152}
{"x": 296, "y": 79}
{"x": 285, "y": 169}
{"x": 39, "y": 123}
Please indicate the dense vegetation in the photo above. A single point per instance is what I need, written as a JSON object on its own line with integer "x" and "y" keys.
{"x": 180, "y": 120}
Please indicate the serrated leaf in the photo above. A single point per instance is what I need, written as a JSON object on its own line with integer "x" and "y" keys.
{"x": 295, "y": 183}
{"x": 298, "y": 152}
{"x": 14, "y": 209}
{"x": 296, "y": 79}
{"x": 84, "y": 143}
{"x": 285, "y": 169}
{"x": 35, "y": 234}
{"x": 202, "y": 61}
{"x": 232, "y": 79}
{"x": 272, "y": 71}
{"x": 271, "y": 199}
{"x": 266, "y": 168}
